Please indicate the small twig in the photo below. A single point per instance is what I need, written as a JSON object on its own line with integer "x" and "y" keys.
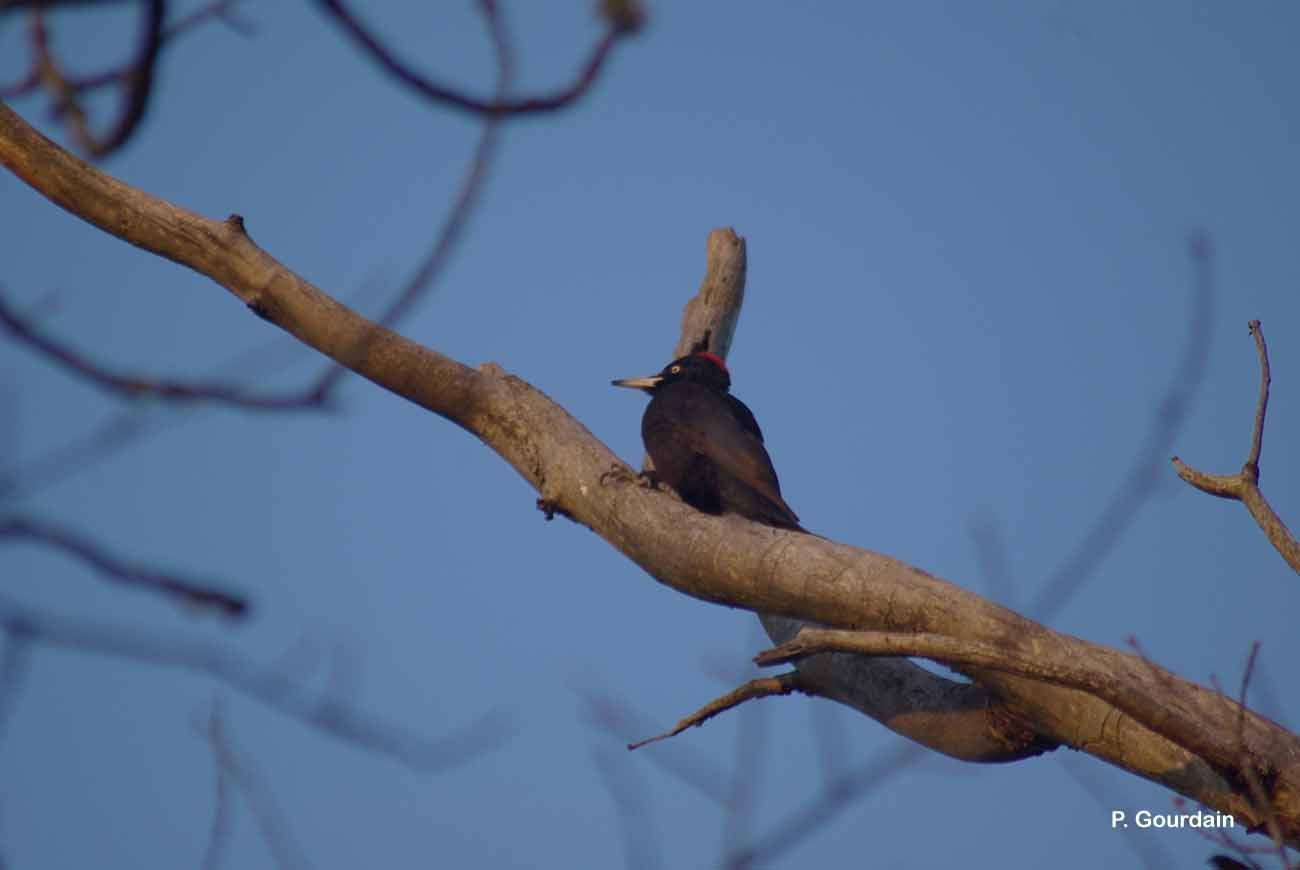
{"x": 1087, "y": 776}
{"x": 1142, "y": 481}
{"x": 630, "y": 804}
{"x": 268, "y": 687}
{"x": 1244, "y": 485}
{"x": 751, "y": 734}
{"x": 223, "y": 815}
{"x": 221, "y": 9}
{"x": 188, "y": 592}
{"x": 13, "y": 670}
{"x": 623, "y": 22}
{"x": 1247, "y": 767}
{"x": 128, "y": 426}
{"x": 466, "y": 199}
{"x": 238, "y": 770}
{"x": 137, "y": 82}
{"x": 991, "y": 555}
{"x": 135, "y": 386}
{"x": 834, "y": 799}
{"x": 1265, "y": 381}
{"x": 618, "y": 719}
{"x": 762, "y": 687}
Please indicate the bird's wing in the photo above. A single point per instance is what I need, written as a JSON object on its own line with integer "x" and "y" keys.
{"x": 746, "y": 417}
{"x": 723, "y": 439}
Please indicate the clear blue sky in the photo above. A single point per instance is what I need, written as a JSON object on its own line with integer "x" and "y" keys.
{"x": 968, "y": 291}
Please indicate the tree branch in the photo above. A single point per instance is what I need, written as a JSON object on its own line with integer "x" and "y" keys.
{"x": 619, "y": 24}
{"x": 762, "y": 687}
{"x": 136, "y": 386}
{"x": 723, "y": 559}
{"x": 188, "y": 592}
{"x": 137, "y": 83}
{"x": 267, "y": 686}
{"x": 1244, "y": 485}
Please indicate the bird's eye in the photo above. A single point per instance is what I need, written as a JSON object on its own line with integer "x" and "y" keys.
{"x": 676, "y": 370}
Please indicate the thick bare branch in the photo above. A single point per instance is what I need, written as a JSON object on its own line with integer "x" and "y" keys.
{"x": 958, "y": 719}
{"x": 1127, "y": 685}
{"x": 723, "y": 559}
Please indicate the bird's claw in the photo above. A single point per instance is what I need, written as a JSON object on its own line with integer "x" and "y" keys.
{"x": 620, "y": 473}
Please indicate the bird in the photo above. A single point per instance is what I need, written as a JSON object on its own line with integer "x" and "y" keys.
{"x": 706, "y": 444}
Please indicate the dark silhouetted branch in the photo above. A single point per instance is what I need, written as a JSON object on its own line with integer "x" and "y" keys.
{"x": 268, "y": 687}
{"x": 470, "y": 191}
{"x": 640, "y": 846}
{"x": 831, "y": 801}
{"x": 188, "y": 592}
{"x": 220, "y": 9}
{"x": 619, "y": 25}
{"x": 233, "y": 768}
{"x": 1141, "y": 482}
{"x": 137, "y": 82}
{"x": 136, "y": 386}
{"x": 14, "y": 646}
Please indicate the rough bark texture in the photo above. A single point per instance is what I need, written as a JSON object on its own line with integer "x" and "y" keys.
{"x": 1033, "y": 687}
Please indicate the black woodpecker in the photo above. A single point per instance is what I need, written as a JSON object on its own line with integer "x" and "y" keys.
{"x": 706, "y": 444}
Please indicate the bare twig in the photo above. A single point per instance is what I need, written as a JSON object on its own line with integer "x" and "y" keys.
{"x": 137, "y": 83}
{"x": 1087, "y": 776}
{"x": 761, "y": 687}
{"x": 618, "y": 719}
{"x": 1247, "y": 767}
{"x": 136, "y": 386}
{"x": 127, "y": 427}
{"x": 1244, "y": 485}
{"x": 991, "y": 554}
{"x": 188, "y": 592}
{"x": 219, "y": 9}
{"x": 272, "y": 689}
{"x": 618, "y": 27}
{"x": 320, "y": 393}
{"x": 468, "y": 196}
{"x": 1141, "y": 482}
{"x": 833, "y": 800}
{"x": 223, "y": 811}
{"x": 13, "y": 670}
{"x": 747, "y": 769}
{"x": 271, "y": 821}
{"x": 640, "y": 846}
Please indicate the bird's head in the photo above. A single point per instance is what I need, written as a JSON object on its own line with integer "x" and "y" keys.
{"x": 700, "y": 368}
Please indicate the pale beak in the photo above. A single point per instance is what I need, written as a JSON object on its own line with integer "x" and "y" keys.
{"x": 639, "y": 383}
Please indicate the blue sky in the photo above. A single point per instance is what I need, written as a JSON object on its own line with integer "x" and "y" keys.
{"x": 968, "y": 294}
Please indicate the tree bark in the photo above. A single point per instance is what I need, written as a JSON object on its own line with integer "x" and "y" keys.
{"x": 1033, "y": 688}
